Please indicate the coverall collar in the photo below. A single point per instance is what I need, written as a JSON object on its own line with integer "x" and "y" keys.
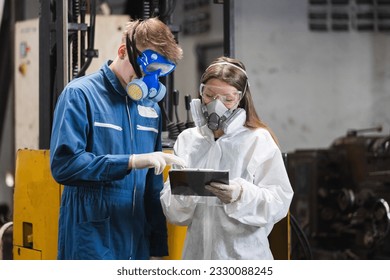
{"x": 113, "y": 81}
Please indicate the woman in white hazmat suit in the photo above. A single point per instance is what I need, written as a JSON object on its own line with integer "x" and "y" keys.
{"x": 236, "y": 222}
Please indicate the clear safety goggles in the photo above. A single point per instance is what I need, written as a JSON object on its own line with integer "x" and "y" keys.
{"x": 223, "y": 94}
{"x": 151, "y": 61}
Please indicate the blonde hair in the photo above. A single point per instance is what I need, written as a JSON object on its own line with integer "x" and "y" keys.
{"x": 153, "y": 34}
{"x": 233, "y": 72}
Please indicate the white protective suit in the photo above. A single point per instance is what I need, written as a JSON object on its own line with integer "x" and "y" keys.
{"x": 238, "y": 230}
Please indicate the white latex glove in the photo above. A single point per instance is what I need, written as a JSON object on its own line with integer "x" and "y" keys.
{"x": 226, "y": 193}
{"x": 156, "y": 160}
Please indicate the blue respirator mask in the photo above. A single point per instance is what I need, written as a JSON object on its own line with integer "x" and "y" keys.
{"x": 153, "y": 66}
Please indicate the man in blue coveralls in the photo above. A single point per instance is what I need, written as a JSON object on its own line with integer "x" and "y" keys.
{"x": 106, "y": 150}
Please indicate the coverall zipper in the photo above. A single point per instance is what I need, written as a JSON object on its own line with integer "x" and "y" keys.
{"x": 134, "y": 173}
{"x": 131, "y": 139}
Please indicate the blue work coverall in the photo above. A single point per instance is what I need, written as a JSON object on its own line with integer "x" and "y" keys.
{"x": 107, "y": 211}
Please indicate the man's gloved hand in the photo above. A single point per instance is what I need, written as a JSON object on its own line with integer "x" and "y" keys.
{"x": 226, "y": 193}
{"x": 156, "y": 160}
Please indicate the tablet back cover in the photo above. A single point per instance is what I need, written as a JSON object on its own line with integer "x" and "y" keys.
{"x": 192, "y": 182}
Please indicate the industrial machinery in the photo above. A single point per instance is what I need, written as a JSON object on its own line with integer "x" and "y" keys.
{"x": 342, "y": 196}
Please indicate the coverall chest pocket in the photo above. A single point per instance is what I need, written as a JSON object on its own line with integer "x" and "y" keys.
{"x": 147, "y": 128}
{"x": 147, "y": 132}
{"x": 108, "y": 131}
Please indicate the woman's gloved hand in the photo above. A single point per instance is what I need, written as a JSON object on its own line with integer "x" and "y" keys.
{"x": 226, "y": 193}
{"x": 156, "y": 160}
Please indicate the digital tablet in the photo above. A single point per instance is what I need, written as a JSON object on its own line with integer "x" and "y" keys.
{"x": 193, "y": 181}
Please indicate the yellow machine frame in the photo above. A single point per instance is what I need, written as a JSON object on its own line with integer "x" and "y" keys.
{"x": 36, "y": 208}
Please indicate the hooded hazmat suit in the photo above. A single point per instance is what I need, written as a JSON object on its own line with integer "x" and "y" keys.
{"x": 237, "y": 230}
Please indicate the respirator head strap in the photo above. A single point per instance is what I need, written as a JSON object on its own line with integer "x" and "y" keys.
{"x": 133, "y": 52}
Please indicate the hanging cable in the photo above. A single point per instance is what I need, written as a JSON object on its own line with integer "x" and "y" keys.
{"x": 303, "y": 241}
{"x": 189, "y": 122}
{"x": 74, "y": 38}
{"x": 2, "y": 231}
{"x": 173, "y": 131}
{"x": 180, "y": 125}
{"x": 90, "y": 52}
